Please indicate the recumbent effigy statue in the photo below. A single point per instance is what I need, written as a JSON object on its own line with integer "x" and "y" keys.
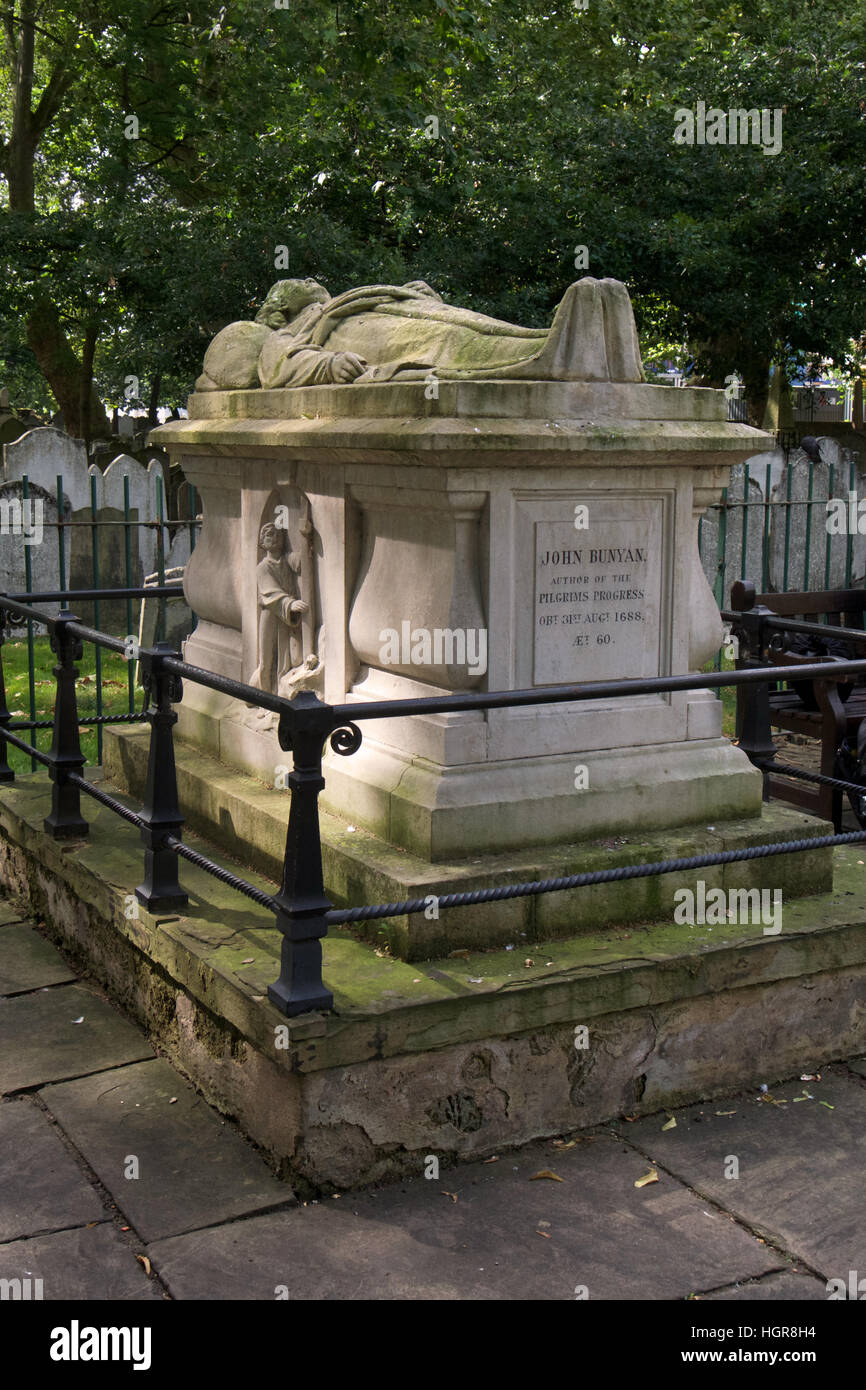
{"x": 377, "y": 333}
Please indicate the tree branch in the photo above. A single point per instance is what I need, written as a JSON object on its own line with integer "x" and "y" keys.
{"x": 58, "y": 85}
{"x": 9, "y": 17}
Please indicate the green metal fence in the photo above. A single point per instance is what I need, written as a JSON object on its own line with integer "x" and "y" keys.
{"x": 30, "y": 655}
{"x": 740, "y": 512}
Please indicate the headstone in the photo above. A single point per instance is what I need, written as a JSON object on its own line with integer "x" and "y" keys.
{"x": 720, "y": 575}
{"x": 169, "y": 622}
{"x": 41, "y": 455}
{"x": 810, "y": 570}
{"x": 41, "y": 547}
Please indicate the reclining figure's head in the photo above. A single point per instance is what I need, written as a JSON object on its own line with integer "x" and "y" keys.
{"x": 287, "y": 298}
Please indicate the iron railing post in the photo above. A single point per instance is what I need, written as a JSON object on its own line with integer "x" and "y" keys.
{"x": 160, "y": 891}
{"x": 65, "y": 821}
{"x": 302, "y": 903}
{"x": 753, "y": 726}
{"x": 6, "y": 773}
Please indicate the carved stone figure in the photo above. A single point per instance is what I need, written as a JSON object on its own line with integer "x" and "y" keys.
{"x": 303, "y": 337}
{"x": 280, "y": 609}
{"x": 287, "y": 658}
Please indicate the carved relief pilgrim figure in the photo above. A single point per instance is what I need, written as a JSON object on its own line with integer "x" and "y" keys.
{"x": 286, "y": 620}
{"x": 280, "y": 646}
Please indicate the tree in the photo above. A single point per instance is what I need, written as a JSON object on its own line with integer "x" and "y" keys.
{"x": 476, "y": 147}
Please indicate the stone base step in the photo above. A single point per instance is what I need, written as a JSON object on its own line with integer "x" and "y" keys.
{"x": 248, "y": 820}
{"x": 460, "y": 1057}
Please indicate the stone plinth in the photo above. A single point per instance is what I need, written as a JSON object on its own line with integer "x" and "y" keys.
{"x": 469, "y": 536}
{"x": 462, "y": 1057}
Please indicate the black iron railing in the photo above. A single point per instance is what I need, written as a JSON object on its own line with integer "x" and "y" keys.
{"x": 306, "y": 725}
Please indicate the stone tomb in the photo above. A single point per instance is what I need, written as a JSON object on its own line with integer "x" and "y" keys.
{"x": 505, "y": 536}
{"x": 378, "y": 529}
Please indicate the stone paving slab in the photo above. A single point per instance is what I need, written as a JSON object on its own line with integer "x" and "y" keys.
{"x": 505, "y": 1237}
{"x": 801, "y": 1165}
{"x": 775, "y": 1287}
{"x": 41, "y": 1186}
{"x": 28, "y": 961}
{"x": 10, "y": 913}
{"x": 193, "y": 1168}
{"x": 89, "y": 1263}
{"x": 41, "y": 1042}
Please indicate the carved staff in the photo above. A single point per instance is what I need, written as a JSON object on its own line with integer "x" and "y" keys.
{"x": 306, "y": 586}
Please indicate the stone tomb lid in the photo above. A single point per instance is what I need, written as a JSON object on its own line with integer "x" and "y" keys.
{"x": 539, "y": 416}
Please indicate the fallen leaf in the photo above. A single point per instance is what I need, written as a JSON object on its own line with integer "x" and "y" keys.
{"x": 827, "y": 1103}
{"x": 546, "y": 1173}
{"x": 145, "y": 1261}
{"x": 671, "y": 1124}
{"x": 543, "y": 1233}
{"x": 726, "y": 1112}
{"x": 248, "y": 960}
{"x": 807, "y": 1077}
{"x": 543, "y": 1224}
{"x": 452, "y": 1195}
{"x": 173, "y": 1100}
{"x": 494, "y": 1159}
{"x": 562, "y": 1144}
{"x": 651, "y": 1176}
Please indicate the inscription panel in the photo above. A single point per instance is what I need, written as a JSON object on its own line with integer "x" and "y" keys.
{"x": 598, "y": 594}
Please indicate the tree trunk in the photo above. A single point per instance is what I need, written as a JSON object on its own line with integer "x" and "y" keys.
{"x": 87, "y": 392}
{"x": 153, "y": 403}
{"x": 68, "y": 378}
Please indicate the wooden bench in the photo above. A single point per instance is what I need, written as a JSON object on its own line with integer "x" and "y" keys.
{"x": 834, "y": 718}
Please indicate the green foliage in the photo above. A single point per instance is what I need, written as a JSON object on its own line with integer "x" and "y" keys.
{"x": 308, "y": 127}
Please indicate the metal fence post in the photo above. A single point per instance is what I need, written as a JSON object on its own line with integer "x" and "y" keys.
{"x": 754, "y": 730}
{"x": 302, "y": 901}
{"x": 65, "y": 820}
{"x": 6, "y": 773}
{"x": 160, "y": 891}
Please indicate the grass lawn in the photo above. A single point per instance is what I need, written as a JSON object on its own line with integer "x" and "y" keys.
{"x": 114, "y": 682}
{"x": 729, "y": 700}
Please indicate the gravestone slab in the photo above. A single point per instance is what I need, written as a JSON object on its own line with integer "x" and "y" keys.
{"x": 808, "y": 548}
